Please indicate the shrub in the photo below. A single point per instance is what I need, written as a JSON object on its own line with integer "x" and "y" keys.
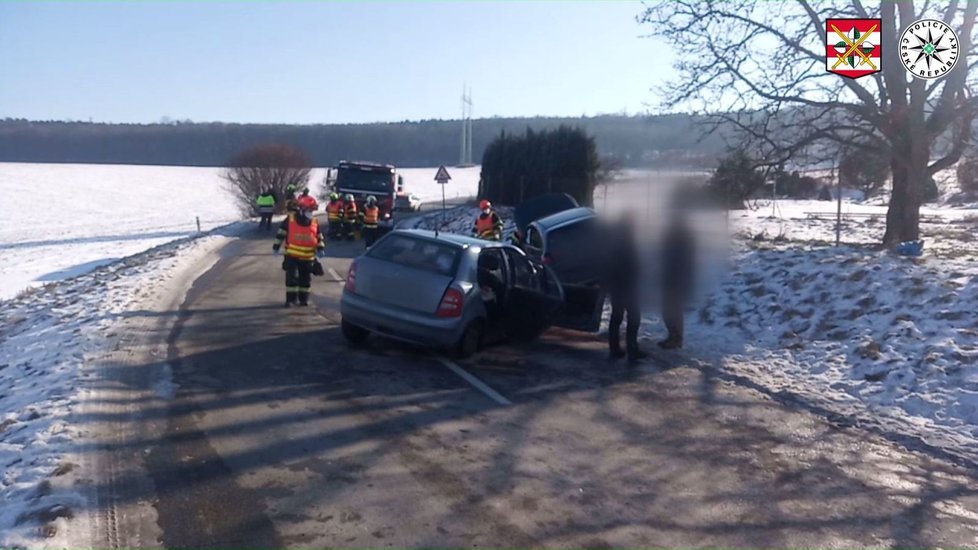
{"x": 270, "y": 165}
{"x": 735, "y": 179}
{"x": 516, "y": 168}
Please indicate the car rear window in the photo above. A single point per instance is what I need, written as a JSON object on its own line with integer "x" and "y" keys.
{"x": 417, "y": 253}
{"x": 573, "y": 238}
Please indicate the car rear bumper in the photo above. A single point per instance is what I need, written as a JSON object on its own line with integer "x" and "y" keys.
{"x": 400, "y": 325}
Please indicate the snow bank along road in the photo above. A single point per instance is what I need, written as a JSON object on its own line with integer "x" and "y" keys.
{"x": 230, "y": 421}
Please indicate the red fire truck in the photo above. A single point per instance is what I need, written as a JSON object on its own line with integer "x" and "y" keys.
{"x": 362, "y": 179}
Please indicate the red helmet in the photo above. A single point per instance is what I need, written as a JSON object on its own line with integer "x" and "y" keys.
{"x": 306, "y": 202}
{"x": 484, "y": 204}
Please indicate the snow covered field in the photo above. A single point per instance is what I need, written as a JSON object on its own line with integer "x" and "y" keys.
{"x": 95, "y": 214}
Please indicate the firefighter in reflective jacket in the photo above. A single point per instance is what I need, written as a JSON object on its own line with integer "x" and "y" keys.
{"x": 334, "y": 215}
{"x": 291, "y": 205}
{"x": 350, "y": 216}
{"x": 370, "y": 220}
{"x": 303, "y": 243}
{"x": 488, "y": 225}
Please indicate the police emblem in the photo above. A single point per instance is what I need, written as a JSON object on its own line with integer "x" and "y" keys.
{"x": 929, "y": 49}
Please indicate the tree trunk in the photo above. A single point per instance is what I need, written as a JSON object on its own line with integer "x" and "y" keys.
{"x": 903, "y": 216}
{"x": 909, "y": 160}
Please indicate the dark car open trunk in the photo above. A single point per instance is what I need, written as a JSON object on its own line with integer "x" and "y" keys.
{"x": 541, "y": 206}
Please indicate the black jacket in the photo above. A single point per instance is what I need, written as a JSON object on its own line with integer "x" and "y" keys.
{"x": 622, "y": 262}
{"x": 678, "y": 269}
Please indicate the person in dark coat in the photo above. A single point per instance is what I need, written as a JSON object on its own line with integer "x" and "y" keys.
{"x": 678, "y": 272}
{"x": 622, "y": 284}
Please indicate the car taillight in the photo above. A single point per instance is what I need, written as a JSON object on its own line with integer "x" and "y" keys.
{"x": 351, "y": 278}
{"x": 451, "y": 304}
{"x": 548, "y": 259}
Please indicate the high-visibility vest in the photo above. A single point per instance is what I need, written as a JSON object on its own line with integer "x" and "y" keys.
{"x": 371, "y": 216}
{"x": 302, "y": 240}
{"x": 266, "y": 200}
{"x": 351, "y": 212}
{"x": 334, "y": 211}
{"x": 486, "y": 226}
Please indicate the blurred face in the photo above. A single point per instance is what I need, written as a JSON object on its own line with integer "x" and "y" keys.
{"x": 486, "y": 211}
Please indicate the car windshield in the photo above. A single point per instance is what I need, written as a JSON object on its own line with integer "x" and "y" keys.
{"x": 418, "y": 253}
{"x": 364, "y": 180}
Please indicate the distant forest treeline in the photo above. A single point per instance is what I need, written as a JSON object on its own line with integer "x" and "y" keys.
{"x": 668, "y": 140}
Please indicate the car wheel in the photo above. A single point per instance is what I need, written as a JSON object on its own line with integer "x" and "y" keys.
{"x": 471, "y": 340}
{"x": 354, "y": 334}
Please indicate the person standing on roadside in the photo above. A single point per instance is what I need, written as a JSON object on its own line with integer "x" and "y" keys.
{"x": 351, "y": 216}
{"x": 266, "y": 208}
{"x": 488, "y": 224}
{"x": 303, "y": 244}
{"x": 622, "y": 283}
{"x": 334, "y": 216}
{"x": 678, "y": 272}
{"x": 370, "y": 221}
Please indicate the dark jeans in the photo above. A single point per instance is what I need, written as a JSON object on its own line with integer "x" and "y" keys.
{"x": 298, "y": 278}
{"x": 265, "y": 222}
{"x": 672, "y": 316}
{"x": 348, "y": 230}
{"x": 624, "y": 304}
{"x": 370, "y": 235}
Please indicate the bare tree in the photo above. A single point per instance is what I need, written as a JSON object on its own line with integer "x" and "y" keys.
{"x": 272, "y": 166}
{"x": 759, "y": 67}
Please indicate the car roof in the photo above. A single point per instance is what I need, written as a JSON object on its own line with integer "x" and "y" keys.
{"x": 452, "y": 238}
{"x": 567, "y": 216}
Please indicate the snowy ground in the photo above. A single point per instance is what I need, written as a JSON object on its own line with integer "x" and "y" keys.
{"x": 50, "y": 340}
{"x": 95, "y": 214}
{"x": 421, "y": 182}
{"x": 887, "y": 340}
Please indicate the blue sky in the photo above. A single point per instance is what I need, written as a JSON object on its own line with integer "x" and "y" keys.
{"x": 307, "y": 62}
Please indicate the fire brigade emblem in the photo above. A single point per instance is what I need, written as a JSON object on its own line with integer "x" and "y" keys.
{"x": 853, "y": 47}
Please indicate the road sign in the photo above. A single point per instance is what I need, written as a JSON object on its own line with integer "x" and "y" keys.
{"x": 442, "y": 175}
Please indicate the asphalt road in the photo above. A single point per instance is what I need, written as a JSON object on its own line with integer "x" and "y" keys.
{"x": 279, "y": 434}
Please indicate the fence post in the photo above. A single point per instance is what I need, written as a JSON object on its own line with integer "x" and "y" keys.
{"x": 198, "y": 224}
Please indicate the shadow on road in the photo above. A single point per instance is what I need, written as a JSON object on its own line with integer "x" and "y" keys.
{"x": 671, "y": 453}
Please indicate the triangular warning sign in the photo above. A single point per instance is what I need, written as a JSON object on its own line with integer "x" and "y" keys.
{"x": 442, "y": 175}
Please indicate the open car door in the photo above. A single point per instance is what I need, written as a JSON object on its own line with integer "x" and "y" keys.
{"x": 541, "y": 300}
{"x": 581, "y": 306}
{"x": 529, "y": 305}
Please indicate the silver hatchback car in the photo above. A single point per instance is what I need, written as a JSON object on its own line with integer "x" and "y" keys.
{"x": 451, "y": 291}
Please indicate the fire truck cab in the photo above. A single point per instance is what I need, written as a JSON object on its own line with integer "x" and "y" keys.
{"x": 362, "y": 179}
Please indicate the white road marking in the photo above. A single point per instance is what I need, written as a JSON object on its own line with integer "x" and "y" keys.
{"x": 336, "y": 276}
{"x": 478, "y": 384}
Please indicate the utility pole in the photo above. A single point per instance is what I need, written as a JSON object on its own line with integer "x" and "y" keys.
{"x": 465, "y": 151}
